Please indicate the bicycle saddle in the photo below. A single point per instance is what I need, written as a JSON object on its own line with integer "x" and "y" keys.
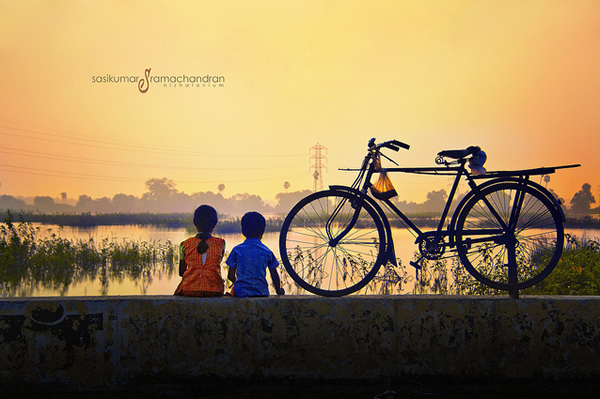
{"x": 459, "y": 154}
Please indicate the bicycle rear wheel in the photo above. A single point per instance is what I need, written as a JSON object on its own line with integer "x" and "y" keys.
{"x": 510, "y": 236}
{"x": 332, "y": 243}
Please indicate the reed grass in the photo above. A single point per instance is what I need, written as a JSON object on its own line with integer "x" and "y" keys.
{"x": 29, "y": 262}
{"x": 226, "y": 223}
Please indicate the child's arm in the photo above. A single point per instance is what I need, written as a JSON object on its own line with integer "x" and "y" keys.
{"x": 182, "y": 267}
{"x": 232, "y": 263}
{"x": 276, "y": 281}
{"x": 231, "y": 275}
{"x": 182, "y": 264}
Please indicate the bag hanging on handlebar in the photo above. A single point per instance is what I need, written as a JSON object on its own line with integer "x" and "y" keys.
{"x": 383, "y": 188}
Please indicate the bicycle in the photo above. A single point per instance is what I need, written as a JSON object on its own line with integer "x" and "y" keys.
{"x": 507, "y": 230}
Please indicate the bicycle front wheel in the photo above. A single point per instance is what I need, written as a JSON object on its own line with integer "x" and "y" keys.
{"x": 510, "y": 236}
{"x": 332, "y": 243}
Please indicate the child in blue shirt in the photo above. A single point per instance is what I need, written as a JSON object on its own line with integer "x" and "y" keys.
{"x": 248, "y": 262}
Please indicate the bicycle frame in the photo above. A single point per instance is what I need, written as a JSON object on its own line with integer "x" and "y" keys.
{"x": 435, "y": 244}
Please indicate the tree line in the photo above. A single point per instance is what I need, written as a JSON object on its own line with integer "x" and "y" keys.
{"x": 162, "y": 196}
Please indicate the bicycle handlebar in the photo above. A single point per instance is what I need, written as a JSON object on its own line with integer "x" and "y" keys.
{"x": 392, "y": 145}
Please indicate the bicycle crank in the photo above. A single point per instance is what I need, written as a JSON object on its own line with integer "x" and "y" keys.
{"x": 429, "y": 247}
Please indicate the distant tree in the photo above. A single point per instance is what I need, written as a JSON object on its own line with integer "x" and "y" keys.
{"x": 63, "y": 197}
{"x": 285, "y": 201}
{"x": 217, "y": 201}
{"x": 245, "y": 202}
{"x": 221, "y": 188}
{"x": 44, "y": 203}
{"x": 181, "y": 202}
{"x": 103, "y": 205}
{"x": 558, "y": 197}
{"x": 85, "y": 203}
{"x": 286, "y": 185}
{"x": 159, "y": 195}
{"x": 159, "y": 189}
{"x": 583, "y": 199}
{"x": 10, "y": 202}
{"x": 405, "y": 206}
{"x": 125, "y": 203}
{"x": 436, "y": 200}
{"x": 546, "y": 179}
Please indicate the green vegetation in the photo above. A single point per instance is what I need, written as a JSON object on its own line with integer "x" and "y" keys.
{"x": 87, "y": 219}
{"x": 226, "y": 224}
{"x": 577, "y": 272}
{"x": 29, "y": 262}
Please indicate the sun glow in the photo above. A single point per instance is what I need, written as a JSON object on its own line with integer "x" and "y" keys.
{"x": 98, "y": 97}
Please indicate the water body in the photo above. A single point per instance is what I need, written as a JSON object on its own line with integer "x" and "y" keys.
{"x": 163, "y": 282}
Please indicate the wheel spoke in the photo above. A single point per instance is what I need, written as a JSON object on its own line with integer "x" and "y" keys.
{"x": 509, "y": 235}
{"x": 330, "y": 249}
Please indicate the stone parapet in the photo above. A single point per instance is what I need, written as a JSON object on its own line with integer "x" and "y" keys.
{"x": 110, "y": 341}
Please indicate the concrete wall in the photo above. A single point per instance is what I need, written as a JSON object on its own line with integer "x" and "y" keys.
{"x": 109, "y": 341}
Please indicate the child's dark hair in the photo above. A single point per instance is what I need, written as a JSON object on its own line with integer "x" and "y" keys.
{"x": 205, "y": 220}
{"x": 253, "y": 225}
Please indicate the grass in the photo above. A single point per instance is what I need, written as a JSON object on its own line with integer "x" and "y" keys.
{"x": 29, "y": 262}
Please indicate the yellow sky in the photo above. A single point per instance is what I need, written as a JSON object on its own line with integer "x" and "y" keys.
{"x": 519, "y": 78}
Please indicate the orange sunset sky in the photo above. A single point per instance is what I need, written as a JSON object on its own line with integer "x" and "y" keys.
{"x": 519, "y": 78}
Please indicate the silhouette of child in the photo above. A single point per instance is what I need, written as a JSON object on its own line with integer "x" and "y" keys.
{"x": 248, "y": 262}
{"x": 200, "y": 258}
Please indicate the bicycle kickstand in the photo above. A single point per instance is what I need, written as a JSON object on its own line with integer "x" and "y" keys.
{"x": 416, "y": 265}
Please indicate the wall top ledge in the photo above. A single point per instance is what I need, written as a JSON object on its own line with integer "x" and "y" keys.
{"x": 399, "y": 298}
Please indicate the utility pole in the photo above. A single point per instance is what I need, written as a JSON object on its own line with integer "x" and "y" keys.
{"x": 316, "y": 158}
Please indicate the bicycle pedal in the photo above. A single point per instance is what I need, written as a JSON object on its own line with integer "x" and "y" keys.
{"x": 415, "y": 265}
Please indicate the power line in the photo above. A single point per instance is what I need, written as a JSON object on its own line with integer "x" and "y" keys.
{"x": 112, "y": 145}
{"x": 96, "y": 143}
{"x": 51, "y": 173}
{"x": 38, "y": 154}
{"x": 60, "y": 138}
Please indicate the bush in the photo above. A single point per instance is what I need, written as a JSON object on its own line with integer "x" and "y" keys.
{"x": 577, "y": 271}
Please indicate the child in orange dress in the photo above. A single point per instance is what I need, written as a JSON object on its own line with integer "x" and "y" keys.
{"x": 200, "y": 258}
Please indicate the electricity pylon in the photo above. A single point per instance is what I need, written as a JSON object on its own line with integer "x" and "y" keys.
{"x": 316, "y": 152}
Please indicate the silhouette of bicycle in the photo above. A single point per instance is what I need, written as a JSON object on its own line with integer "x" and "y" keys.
{"x": 507, "y": 230}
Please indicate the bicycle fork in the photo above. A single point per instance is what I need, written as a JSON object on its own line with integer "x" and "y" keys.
{"x": 333, "y": 241}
